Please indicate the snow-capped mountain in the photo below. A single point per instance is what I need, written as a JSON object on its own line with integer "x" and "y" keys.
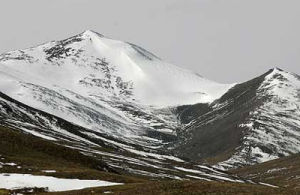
{"x": 90, "y": 91}
{"x": 117, "y": 101}
{"x": 102, "y": 84}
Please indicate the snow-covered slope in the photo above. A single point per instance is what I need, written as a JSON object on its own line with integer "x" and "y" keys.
{"x": 90, "y": 64}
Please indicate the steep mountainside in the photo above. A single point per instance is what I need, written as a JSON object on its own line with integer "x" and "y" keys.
{"x": 253, "y": 122}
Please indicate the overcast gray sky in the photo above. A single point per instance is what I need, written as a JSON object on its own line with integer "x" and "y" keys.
{"x": 223, "y": 40}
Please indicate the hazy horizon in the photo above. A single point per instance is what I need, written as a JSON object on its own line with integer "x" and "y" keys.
{"x": 226, "y": 41}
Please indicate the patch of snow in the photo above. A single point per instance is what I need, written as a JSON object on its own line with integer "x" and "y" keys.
{"x": 39, "y": 135}
{"x": 249, "y": 125}
{"x": 269, "y": 185}
{"x": 158, "y": 156}
{"x": 276, "y": 170}
{"x": 49, "y": 171}
{"x": 18, "y": 181}
{"x": 262, "y": 156}
{"x": 8, "y": 164}
{"x": 200, "y": 178}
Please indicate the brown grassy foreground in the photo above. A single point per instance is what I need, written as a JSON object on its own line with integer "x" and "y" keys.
{"x": 3, "y": 192}
{"x": 282, "y": 172}
{"x": 181, "y": 188}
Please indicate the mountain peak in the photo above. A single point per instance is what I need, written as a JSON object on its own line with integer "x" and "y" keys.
{"x": 276, "y": 69}
{"x": 91, "y": 34}
{"x": 280, "y": 78}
